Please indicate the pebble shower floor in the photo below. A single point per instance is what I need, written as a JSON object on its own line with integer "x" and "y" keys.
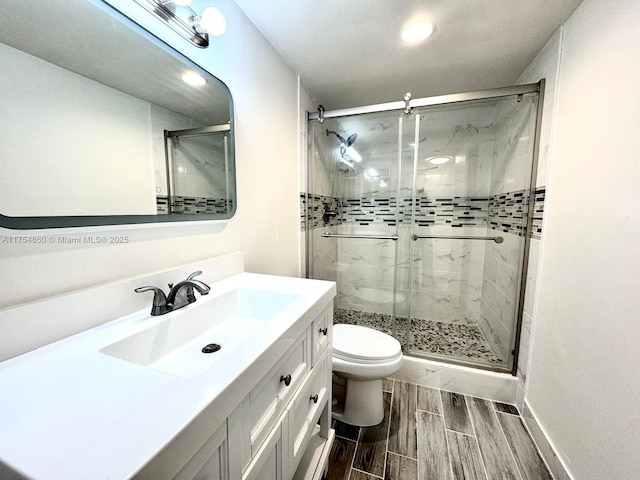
{"x": 428, "y": 336}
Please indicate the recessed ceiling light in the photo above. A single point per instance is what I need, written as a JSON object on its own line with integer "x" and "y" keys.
{"x": 416, "y": 32}
{"x": 193, "y": 78}
{"x": 438, "y": 160}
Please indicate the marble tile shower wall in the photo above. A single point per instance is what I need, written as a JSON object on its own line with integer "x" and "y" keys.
{"x": 500, "y": 280}
{"x": 511, "y": 172}
{"x": 513, "y": 145}
{"x": 446, "y": 275}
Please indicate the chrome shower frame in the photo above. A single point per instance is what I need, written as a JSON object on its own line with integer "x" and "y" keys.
{"x": 403, "y": 106}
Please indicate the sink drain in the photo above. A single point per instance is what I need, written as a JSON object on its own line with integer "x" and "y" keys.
{"x": 212, "y": 347}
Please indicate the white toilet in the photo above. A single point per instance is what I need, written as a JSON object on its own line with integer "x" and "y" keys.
{"x": 364, "y": 357}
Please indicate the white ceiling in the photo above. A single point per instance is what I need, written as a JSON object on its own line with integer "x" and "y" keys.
{"x": 349, "y": 52}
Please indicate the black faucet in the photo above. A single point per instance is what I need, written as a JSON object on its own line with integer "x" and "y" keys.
{"x": 180, "y": 295}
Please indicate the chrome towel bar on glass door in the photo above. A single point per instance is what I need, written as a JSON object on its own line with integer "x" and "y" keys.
{"x": 377, "y": 237}
{"x": 459, "y": 237}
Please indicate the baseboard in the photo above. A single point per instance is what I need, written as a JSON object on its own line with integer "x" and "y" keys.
{"x": 545, "y": 447}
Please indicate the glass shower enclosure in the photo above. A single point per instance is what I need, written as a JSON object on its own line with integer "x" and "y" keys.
{"x": 421, "y": 215}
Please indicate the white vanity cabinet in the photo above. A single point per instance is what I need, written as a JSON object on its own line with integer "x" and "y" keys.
{"x": 139, "y": 397}
{"x": 270, "y": 430}
{"x": 267, "y": 434}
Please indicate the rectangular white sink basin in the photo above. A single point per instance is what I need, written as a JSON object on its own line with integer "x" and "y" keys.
{"x": 175, "y": 345}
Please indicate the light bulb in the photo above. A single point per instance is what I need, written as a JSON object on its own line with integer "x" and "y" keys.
{"x": 213, "y": 21}
{"x": 439, "y": 160}
{"x": 193, "y": 78}
{"x": 417, "y": 32}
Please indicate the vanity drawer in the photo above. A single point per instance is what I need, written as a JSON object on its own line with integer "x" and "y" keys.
{"x": 304, "y": 410}
{"x": 321, "y": 333}
{"x": 269, "y": 398}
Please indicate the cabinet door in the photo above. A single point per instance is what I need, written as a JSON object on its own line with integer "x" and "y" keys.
{"x": 214, "y": 468}
{"x": 210, "y": 461}
{"x": 267, "y": 463}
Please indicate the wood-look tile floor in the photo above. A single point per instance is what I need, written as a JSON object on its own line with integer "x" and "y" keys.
{"x": 428, "y": 434}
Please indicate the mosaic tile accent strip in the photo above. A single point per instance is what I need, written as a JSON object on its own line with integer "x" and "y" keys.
{"x": 504, "y": 212}
{"x": 538, "y": 212}
{"x": 508, "y": 212}
{"x": 453, "y": 211}
{"x": 191, "y": 205}
{"x": 449, "y": 339}
{"x": 367, "y": 211}
{"x": 323, "y": 211}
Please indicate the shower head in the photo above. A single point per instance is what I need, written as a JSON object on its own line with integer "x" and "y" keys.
{"x": 348, "y": 154}
{"x": 348, "y": 142}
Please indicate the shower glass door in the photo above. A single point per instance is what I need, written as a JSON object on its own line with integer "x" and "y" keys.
{"x": 353, "y": 217}
{"x": 420, "y": 219}
{"x": 469, "y": 181}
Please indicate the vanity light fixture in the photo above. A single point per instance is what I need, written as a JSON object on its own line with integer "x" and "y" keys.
{"x": 179, "y": 15}
{"x": 417, "y": 31}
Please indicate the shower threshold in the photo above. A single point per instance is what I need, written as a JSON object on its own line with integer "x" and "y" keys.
{"x": 430, "y": 339}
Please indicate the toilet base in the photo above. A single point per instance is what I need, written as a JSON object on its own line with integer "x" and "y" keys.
{"x": 364, "y": 403}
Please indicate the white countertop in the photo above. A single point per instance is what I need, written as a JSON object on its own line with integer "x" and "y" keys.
{"x": 69, "y": 411}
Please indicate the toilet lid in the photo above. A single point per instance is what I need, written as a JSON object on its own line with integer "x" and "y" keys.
{"x": 363, "y": 344}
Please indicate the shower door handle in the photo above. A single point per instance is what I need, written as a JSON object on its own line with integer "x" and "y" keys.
{"x": 459, "y": 237}
{"x": 393, "y": 237}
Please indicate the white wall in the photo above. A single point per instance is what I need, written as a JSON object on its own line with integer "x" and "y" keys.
{"x": 583, "y": 385}
{"x": 82, "y": 139}
{"x": 266, "y": 225}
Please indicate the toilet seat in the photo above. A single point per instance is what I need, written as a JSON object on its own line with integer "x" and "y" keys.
{"x": 353, "y": 343}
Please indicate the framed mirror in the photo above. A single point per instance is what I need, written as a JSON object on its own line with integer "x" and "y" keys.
{"x": 100, "y": 127}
